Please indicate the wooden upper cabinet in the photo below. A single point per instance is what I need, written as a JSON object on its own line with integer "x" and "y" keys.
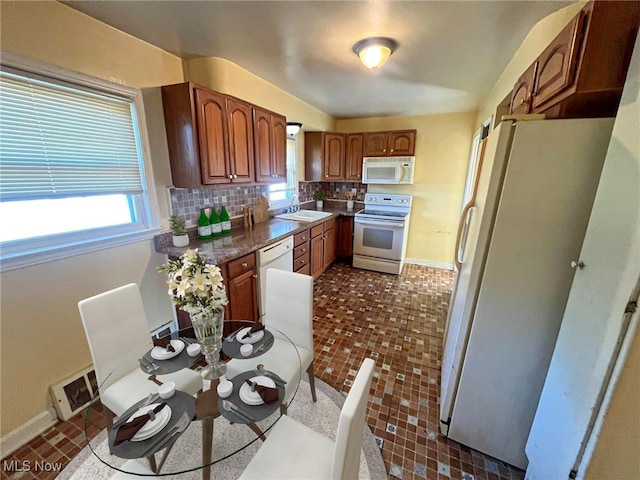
{"x": 353, "y": 157}
{"x": 240, "y": 134}
{"x": 333, "y": 159}
{"x": 523, "y": 90}
{"x": 213, "y": 139}
{"x": 212, "y": 134}
{"x": 402, "y": 142}
{"x": 392, "y": 143}
{"x": 581, "y": 73}
{"x": 557, "y": 63}
{"x": 280, "y": 147}
{"x": 270, "y": 146}
{"x": 375, "y": 144}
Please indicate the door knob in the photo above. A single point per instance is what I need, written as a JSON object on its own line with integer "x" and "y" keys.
{"x": 579, "y": 264}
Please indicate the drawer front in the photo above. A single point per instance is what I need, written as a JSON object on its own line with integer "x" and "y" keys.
{"x": 300, "y": 262}
{"x": 306, "y": 270}
{"x": 301, "y": 250}
{"x": 301, "y": 238}
{"x": 329, "y": 224}
{"x": 317, "y": 230}
{"x": 240, "y": 265}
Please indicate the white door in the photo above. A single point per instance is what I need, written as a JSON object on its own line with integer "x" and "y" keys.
{"x": 594, "y": 314}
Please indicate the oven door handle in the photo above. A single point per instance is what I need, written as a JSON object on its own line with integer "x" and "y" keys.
{"x": 380, "y": 223}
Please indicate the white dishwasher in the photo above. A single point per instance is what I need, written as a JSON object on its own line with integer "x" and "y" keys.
{"x": 277, "y": 255}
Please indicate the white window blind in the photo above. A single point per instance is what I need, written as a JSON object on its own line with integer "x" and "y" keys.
{"x": 57, "y": 142}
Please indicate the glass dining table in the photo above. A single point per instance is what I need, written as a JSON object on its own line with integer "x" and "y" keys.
{"x": 187, "y": 433}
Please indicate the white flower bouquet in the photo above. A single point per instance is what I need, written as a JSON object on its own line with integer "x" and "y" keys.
{"x": 195, "y": 286}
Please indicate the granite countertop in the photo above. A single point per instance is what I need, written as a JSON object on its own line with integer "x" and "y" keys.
{"x": 244, "y": 240}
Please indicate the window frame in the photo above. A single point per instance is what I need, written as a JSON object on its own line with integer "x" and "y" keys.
{"x": 295, "y": 189}
{"x": 28, "y": 252}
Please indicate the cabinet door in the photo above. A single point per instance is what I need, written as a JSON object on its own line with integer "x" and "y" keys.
{"x": 243, "y": 294}
{"x": 329, "y": 254}
{"x": 317, "y": 256}
{"x": 521, "y": 96}
{"x": 243, "y": 288}
{"x": 402, "y": 143}
{"x": 375, "y": 144}
{"x": 212, "y": 126}
{"x": 344, "y": 240}
{"x": 240, "y": 140}
{"x": 279, "y": 156}
{"x": 353, "y": 161}
{"x": 333, "y": 162}
{"x": 557, "y": 63}
{"x": 263, "y": 140}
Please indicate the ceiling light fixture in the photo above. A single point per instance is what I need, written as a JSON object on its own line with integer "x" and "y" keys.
{"x": 293, "y": 128}
{"x": 375, "y": 51}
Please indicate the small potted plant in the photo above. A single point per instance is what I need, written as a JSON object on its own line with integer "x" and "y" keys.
{"x": 179, "y": 230}
{"x": 319, "y": 197}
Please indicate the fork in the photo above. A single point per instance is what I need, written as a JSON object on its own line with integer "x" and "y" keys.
{"x": 182, "y": 423}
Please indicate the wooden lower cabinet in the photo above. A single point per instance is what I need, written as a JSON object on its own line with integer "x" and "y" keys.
{"x": 242, "y": 288}
{"x": 301, "y": 253}
{"x": 323, "y": 247}
{"x": 344, "y": 236}
{"x": 317, "y": 251}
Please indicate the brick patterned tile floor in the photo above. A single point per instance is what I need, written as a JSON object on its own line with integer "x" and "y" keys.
{"x": 396, "y": 320}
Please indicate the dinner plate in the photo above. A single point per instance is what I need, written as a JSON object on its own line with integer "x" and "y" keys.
{"x": 161, "y": 353}
{"x": 253, "y": 338}
{"x": 254, "y": 398}
{"x": 150, "y": 428}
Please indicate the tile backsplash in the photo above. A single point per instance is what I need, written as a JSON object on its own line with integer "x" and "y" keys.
{"x": 187, "y": 202}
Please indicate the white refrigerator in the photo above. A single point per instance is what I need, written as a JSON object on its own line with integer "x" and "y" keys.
{"x": 534, "y": 195}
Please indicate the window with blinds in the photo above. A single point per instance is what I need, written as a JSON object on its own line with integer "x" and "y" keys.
{"x": 71, "y": 167}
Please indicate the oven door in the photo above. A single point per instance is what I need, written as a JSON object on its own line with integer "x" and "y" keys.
{"x": 378, "y": 237}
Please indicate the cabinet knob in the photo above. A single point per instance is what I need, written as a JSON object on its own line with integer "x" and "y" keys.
{"x": 392, "y": 150}
{"x": 579, "y": 264}
{"x": 327, "y": 175}
{"x": 384, "y": 150}
{"x": 245, "y": 264}
{"x": 231, "y": 177}
{"x": 304, "y": 249}
{"x": 521, "y": 101}
{"x": 254, "y": 276}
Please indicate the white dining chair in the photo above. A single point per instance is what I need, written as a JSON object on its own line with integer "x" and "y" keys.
{"x": 294, "y": 451}
{"x": 118, "y": 334}
{"x": 289, "y": 309}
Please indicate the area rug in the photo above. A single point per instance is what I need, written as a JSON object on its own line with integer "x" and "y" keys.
{"x": 321, "y": 416}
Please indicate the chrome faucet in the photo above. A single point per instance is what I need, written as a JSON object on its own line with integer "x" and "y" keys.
{"x": 294, "y": 206}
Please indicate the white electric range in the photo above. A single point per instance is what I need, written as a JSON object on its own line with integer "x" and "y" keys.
{"x": 380, "y": 232}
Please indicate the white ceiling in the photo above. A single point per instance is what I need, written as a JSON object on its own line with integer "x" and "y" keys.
{"x": 450, "y": 52}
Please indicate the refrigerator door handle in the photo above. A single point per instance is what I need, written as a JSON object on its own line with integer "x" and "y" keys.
{"x": 461, "y": 238}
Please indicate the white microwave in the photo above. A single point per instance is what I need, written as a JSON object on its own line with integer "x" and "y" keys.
{"x": 389, "y": 170}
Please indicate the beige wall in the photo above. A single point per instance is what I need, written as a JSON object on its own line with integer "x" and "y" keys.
{"x": 42, "y": 337}
{"x": 443, "y": 143}
{"x": 226, "y": 77}
{"x": 617, "y": 455}
{"x": 536, "y": 40}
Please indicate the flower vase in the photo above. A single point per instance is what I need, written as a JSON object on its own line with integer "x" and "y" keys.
{"x": 209, "y": 334}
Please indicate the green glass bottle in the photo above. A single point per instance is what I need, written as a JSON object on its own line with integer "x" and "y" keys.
{"x": 225, "y": 220}
{"x": 204, "y": 227}
{"x": 214, "y": 220}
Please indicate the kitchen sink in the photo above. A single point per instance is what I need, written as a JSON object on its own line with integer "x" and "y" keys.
{"x": 304, "y": 215}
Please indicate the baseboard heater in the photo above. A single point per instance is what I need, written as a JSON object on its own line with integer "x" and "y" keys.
{"x": 74, "y": 393}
